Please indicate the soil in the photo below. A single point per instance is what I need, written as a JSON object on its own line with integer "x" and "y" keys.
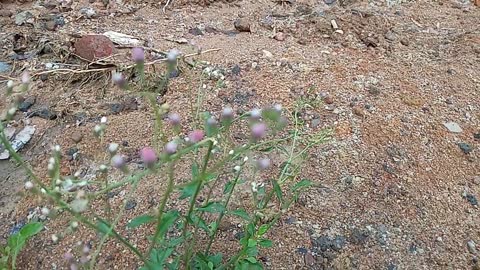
{"x": 394, "y": 188}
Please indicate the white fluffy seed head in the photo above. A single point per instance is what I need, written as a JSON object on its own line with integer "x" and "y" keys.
{"x": 57, "y": 148}
{"x": 231, "y": 152}
{"x": 74, "y": 224}
{"x": 103, "y": 168}
{"x": 28, "y": 185}
{"x": 12, "y": 111}
{"x": 103, "y": 120}
{"x": 54, "y": 238}
{"x": 10, "y": 84}
{"x": 51, "y": 160}
{"x": 43, "y": 191}
{"x": 237, "y": 168}
{"x": 245, "y": 159}
{"x": 113, "y": 148}
{"x": 45, "y": 211}
{"x": 51, "y": 167}
{"x": 97, "y": 129}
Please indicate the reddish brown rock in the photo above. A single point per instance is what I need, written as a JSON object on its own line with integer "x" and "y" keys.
{"x": 93, "y": 47}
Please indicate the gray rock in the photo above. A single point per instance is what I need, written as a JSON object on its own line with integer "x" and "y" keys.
{"x": 87, "y": 12}
{"x": 316, "y": 122}
{"x": 45, "y": 113}
{"x": 472, "y": 199}
{"x": 465, "y": 147}
{"x": 130, "y": 205}
{"x": 4, "y": 67}
{"x": 358, "y": 237}
{"x": 472, "y": 247}
{"x": 338, "y": 242}
{"x": 26, "y": 104}
{"x": 329, "y": 2}
{"x": 453, "y": 127}
{"x": 24, "y": 17}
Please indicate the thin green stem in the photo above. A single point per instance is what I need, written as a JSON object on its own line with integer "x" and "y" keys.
{"x": 222, "y": 214}
{"x": 162, "y": 205}
{"x": 114, "y": 223}
{"x": 193, "y": 200}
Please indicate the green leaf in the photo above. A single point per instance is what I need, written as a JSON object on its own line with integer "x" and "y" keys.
{"x": 266, "y": 243}
{"x": 31, "y": 229}
{"x": 240, "y": 213}
{"x": 158, "y": 257}
{"x": 228, "y": 187}
{"x": 252, "y": 251}
{"x": 278, "y": 190}
{"x": 168, "y": 219}
{"x": 200, "y": 223}
{"x": 212, "y": 207}
{"x": 263, "y": 229}
{"x": 140, "y": 220}
{"x": 305, "y": 183}
{"x": 195, "y": 171}
{"x": 188, "y": 190}
{"x": 104, "y": 227}
{"x": 251, "y": 260}
{"x": 252, "y": 242}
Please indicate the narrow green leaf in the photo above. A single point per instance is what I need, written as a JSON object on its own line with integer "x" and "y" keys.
{"x": 212, "y": 207}
{"x": 188, "y": 190}
{"x": 31, "y": 229}
{"x": 140, "y": 220}
{"x": 168, "y": 219}
{"x": 104, "y": 227}
{"x": 277, "y": 190}
{"x": 305, "y": 183}
{"x": 240, "y": 213}
{"x": 228, "y": 187}
{"x": 251, "y": 260}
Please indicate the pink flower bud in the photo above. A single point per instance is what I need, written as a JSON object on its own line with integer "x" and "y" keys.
{"x": 148, "y": 156}
{"x": 138, "y": 55}
{"x": 259, "y": 130}
{"x": 171, "y": 148}
{"x": 196, "y": 136}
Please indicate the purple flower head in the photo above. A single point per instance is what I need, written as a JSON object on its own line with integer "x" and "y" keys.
{"x": 259, "y": 130}
{"x": 196, "y": 136}
{"x": 68, "y": 256}
{"x": 118, "y": 162}
{"x": 263, "y": 163}
{"x": 119, "y": 80}
{"x": 171, "y": 148}
{"x": 227, "y": 114}
{"x": 138, "y": 55}
{"x": 26, "y": 77}
{"x": 148, "y": 156}
{"x": 174, "y": 119}
{"x": 211, "y": 122}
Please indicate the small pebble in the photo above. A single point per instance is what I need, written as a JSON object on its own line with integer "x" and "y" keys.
{"x": 279, "y": 36}
{"x": 465, "y": 147}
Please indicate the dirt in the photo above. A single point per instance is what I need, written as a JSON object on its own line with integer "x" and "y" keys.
{"x": 395, "y": 190}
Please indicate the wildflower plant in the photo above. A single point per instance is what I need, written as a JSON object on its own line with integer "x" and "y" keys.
{"x": 251, "y": 181}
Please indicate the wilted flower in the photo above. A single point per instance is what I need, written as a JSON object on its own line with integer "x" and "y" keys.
{"x": 103, "y": 168}
{"x": 119, "y": 80}
{"x": 45, "y": 211}
{"x": 256, "y": 114}
{"x": 68, "y": 256}
{"x": 277, "y": 107}
{"x": 174, "y": 119}
{"x": 11, "y": 112}
{"x": 74, "y": 224}
{"x": 259, "y": 130}
{"x": 196, "y": 136}
{"x": 28, "y": 185}
{"x": 263, "y": 163}
{"x": 148, "y": 156}
{"x": 10, "y": 84}
{"x": 211, "y": 122}
{"x": 227, "y": 113}
{"x": 54, "y": 238}
{"x": 138, "y": 55}
{"x": 172, "y": 55}
{"x": 171, "y": 148}
{"x": 25, "y": 77}
{"x": 118, "y": 162}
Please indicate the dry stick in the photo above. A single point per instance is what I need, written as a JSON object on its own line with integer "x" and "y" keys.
{"x": 67, "y": 70}
{"x": 166, "y": 5}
